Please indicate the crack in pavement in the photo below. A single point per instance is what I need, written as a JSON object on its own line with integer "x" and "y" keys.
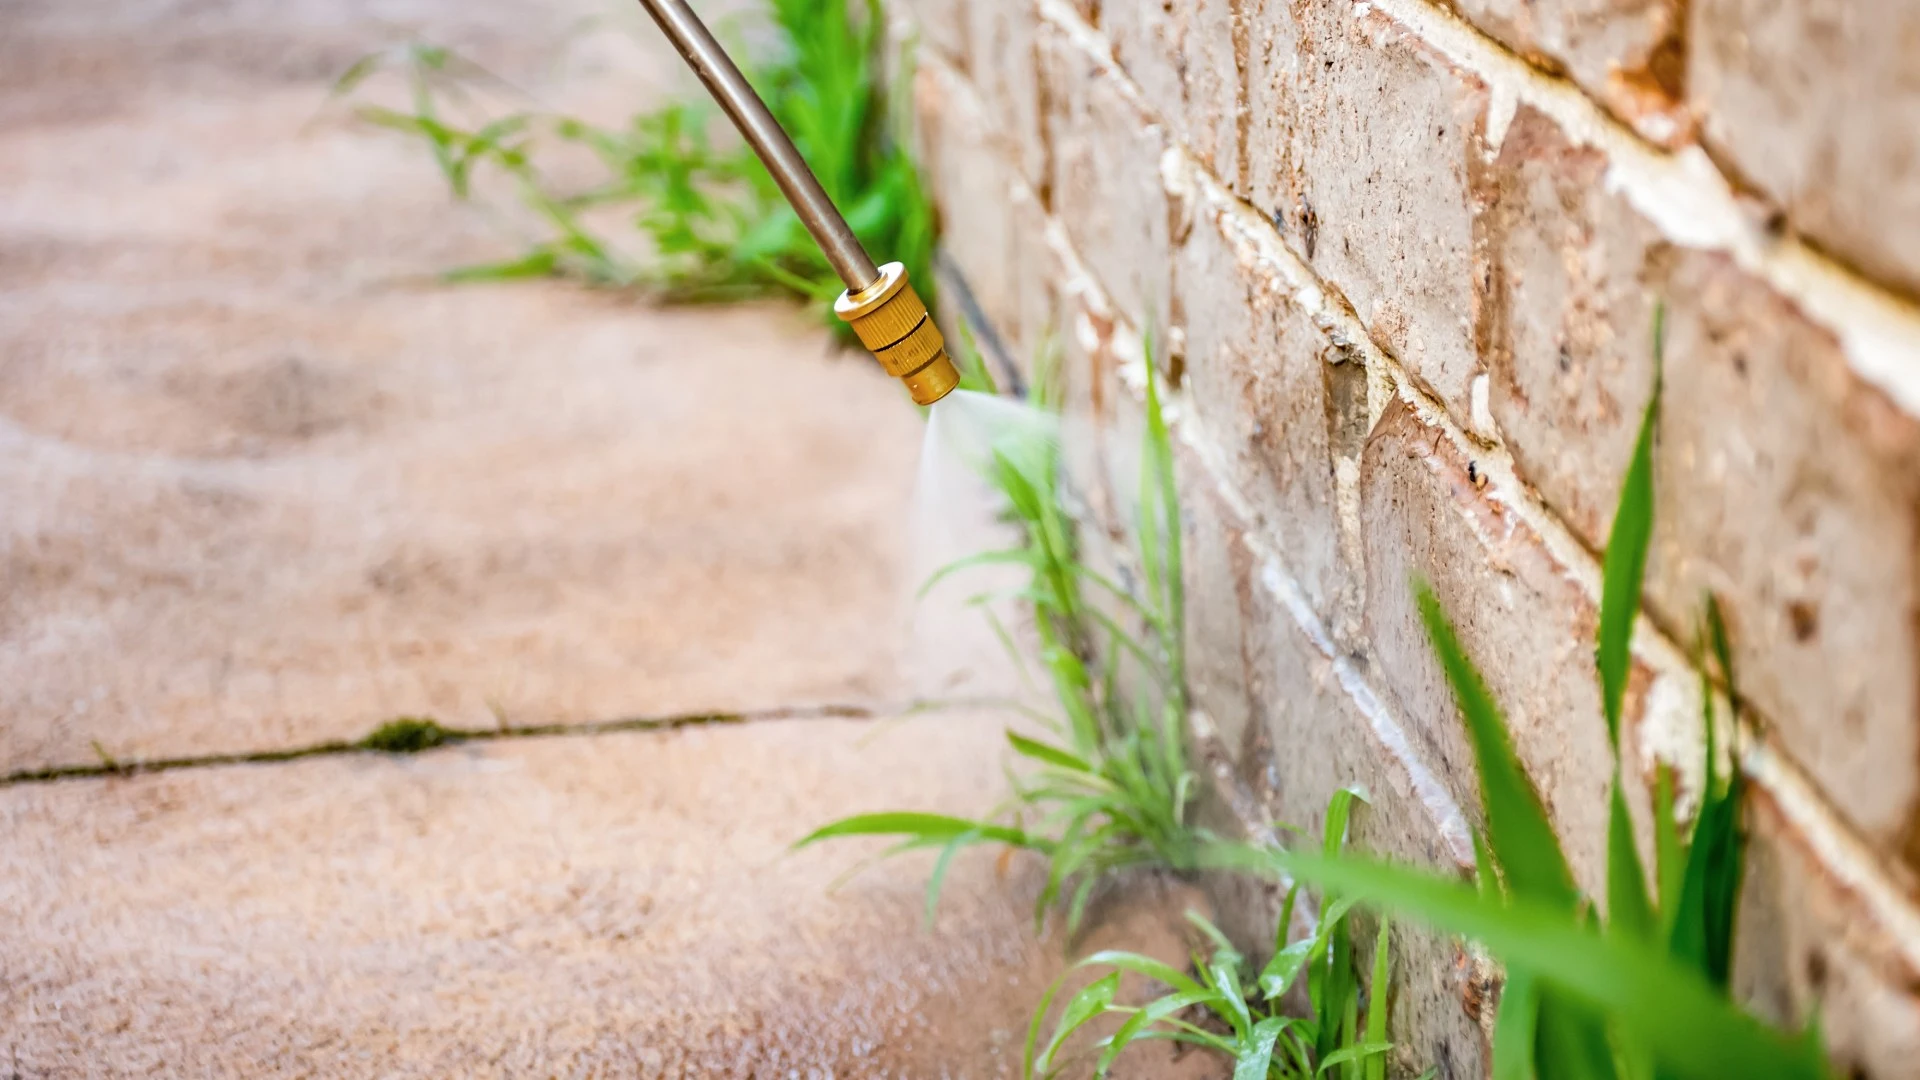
{"x": 447, "y": 736}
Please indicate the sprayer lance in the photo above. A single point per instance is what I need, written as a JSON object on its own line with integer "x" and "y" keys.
{"x": 879, "y": 303}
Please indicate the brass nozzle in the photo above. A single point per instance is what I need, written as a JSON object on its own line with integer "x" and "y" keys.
{"x": 894, "y": 325}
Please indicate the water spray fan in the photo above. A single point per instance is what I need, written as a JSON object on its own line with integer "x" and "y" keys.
{"x": 879, "y": 302}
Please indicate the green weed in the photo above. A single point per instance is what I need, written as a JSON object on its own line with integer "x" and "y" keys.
{"x": 408, "y": 735}
{"x": 1243, "y": 1007}
{"x": 1108, "y": 789}
{"x": 715, "y": 225}
{"x": 1645, "y": 995}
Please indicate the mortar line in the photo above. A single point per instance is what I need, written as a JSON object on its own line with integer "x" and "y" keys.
{"x": 455, "y": 736}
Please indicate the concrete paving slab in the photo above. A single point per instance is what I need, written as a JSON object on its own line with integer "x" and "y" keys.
{"x": 262, "y": 484}
{"x": 585, "y": 905}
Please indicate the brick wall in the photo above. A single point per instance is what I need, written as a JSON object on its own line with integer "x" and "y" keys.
{"x": 1404, "y": 261}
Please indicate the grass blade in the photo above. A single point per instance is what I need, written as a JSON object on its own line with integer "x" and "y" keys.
{"x": 1626, "y": 557}
{"x": 940, "y": 865}
{"x": 1709, "y": 894}
{"x": 1367, "y": 1054}
{"x": 1256, "y": 1056}
{"x": 1572, "y": 1043}
{"x": 1027, "y": 1053}
{"x": 1516, "y": 1037}
{"x": 1485, "y": 873}
{"x": 1285, "y": 926}
{"x": 1378, "y": 1003}
{"x": 1670, "y": 857}
{"x": 539, "y": 263}
{"x": 922, "y": 827}
{"x": 1144, "y": 966}
{"x": 1518, "y": 830}
{"x": 1628, "y": 910}
{"x": 1339, "y": 813}
{"x": 1050, "y": 755}
{"x": 1152, "y": 1013}
{"x": 1091, "y": 1001}
{"x": 1690, "y": 1028}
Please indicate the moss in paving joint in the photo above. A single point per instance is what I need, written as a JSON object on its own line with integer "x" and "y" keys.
{"x": 409, "y": 735}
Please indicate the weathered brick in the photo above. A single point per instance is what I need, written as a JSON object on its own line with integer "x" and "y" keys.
{"x": 1426, "y": 514}
{"x": 1803, "y": 949}
{"x": 1186, "y": 59}
{"x": 1021, "y": 345}
{"x": 972, "y": 182}
{"x": 1567, "y": 278}
{"x": 1106, "y": 186}
{"x": 1214, "y": 113}
{"x": 1146, "y": 36}
{"x": 1528, "y": 629}
{"x": 941, "y": 26}
{"x": 1818, "y": 105}
{"x": 1006, "y": 72}
{"x": 1272, "y": 62}
{"x": 1306, "y": 738}
{"x": 1260, "y": 384}
{"x": 1784, "y": 484}
{"x": 1379, "y": 199}
{"x": 1629, "y": 54}
{"x": 1100, "y": 421}
{"x": 1295, "y": 737}
{"x": 1035, "y": 271}
{"x": 1218, "y": 569}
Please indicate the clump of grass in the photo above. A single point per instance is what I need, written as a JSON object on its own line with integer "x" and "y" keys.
{"x": 1646, "y": 994}
{"x": 407, "y": 735}
{"x": 1239, "y": 1009}
{"x": 1108, "y": 787}
{"x": 715, "y": 224}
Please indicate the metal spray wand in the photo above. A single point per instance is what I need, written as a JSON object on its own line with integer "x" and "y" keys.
{"x": 879, "y": 303}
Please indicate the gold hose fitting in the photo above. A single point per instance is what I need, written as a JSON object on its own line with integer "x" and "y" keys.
{"x": 894, "y": 325}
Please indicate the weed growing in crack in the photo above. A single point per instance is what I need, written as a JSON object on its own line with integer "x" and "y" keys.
{"x": 1108, "y": 788}
{"x": 715, "y": 224}
{"x": 1646, "y": 994}
{"x": 408, "y": 735}
{"x": 1226, "y": 1007}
